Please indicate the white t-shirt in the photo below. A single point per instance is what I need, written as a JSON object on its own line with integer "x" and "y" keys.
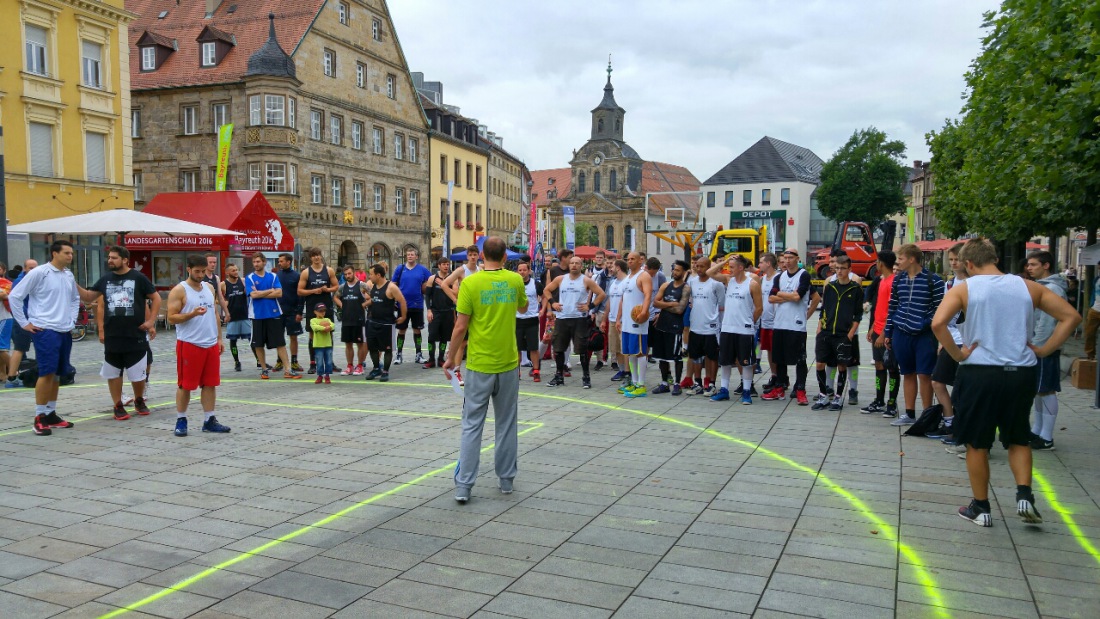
{"x": 571, "y": 293}
{"x": 706, "y": 298}
{"x": 532, "y": 301}
{"x": 767, "y": 319}
{"x": 615, "y": 297}
{"x": 739, "y": 307}
{"x": 633, "y": 297}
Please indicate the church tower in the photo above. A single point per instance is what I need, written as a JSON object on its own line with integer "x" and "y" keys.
{"x": 607, "y": 117}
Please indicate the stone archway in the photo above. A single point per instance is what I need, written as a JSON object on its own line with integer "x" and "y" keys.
{"x": 380, "y": 252}
{"x": 349, "y": 254}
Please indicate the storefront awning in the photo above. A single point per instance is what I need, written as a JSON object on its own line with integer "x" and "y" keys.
{"x": 246, "y": 212}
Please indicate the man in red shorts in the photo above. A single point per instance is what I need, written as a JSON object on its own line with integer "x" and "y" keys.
{"x": 191, "y": 308}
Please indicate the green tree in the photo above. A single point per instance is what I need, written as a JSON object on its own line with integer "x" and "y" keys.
{"x": 864, "y": 179}
{"x": 583, "y": 234}
{"x": 1024, "y": 158}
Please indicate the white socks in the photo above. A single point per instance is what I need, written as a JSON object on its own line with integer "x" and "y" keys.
{"x": 727, "y": 370}
{"x": 746, "y": 378}
{"x": 1046, "y": 414}
{"x": 642, "y": 364}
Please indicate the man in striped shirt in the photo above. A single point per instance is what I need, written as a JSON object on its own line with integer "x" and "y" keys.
{"x": 915, "y": 296}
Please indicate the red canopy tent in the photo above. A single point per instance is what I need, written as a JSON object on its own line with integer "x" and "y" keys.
{"x": 937, "y": 245}
{"x": 161, "y": 258}
{"x": 588, "y": 252}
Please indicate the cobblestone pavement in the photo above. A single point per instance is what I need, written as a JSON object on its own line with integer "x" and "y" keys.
{"x": 337, "y": 501}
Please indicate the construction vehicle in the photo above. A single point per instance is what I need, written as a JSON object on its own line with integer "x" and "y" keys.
{"x": 857, "y": 240}
{"x": 742, "y": 241}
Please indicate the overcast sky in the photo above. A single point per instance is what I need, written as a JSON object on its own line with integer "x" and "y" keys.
{"x": 701, "y": 81}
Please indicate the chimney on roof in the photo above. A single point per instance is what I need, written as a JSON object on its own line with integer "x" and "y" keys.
{"x": 917, "y": 164}
{"x": 211, "y": 6}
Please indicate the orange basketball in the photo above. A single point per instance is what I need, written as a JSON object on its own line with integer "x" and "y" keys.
{"x": 639, "y": 314}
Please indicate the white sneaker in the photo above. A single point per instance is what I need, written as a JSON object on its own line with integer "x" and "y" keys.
{"x": 904, "y": 420}
{"x": 397, "y": 359}
{"x": 127, "y": 399}
{"x": 709, "y": 391}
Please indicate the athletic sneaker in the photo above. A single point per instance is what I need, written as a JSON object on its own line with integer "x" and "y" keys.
{"x": 586, "y": 383}
{"x": 347, "y": 371}
{"x": 527, "y": 364}
{"x": 618, "y": 376}
{"x": 769, "y": 385}
{"x": 320, "y": 379}
{"x": 800, "y": 395}
{"x": 891, "y": 411}
{"x": 419, "y": 358}
{"x": 557, "y": 381}
{"x": 876, "y": 406}
{"x": 212, "y": 425}
{"x": 54, "y": 421}
{"x": 429, "y": 365}
{"x": 821, "y": 402}
{"x": 756, "y": 369}
{"x": 264, "y": 375}
{"x": 625, "y": 387}
{"x": 837, "y": 404}
{"x": 397, "y": 359}
{"x": 140, "y": 407}
{"x": 638, "y": 391}
{"x": 536, "y": 377}
{"x": 181, "y": 426}
{"x": 940, "y": 432}
{"x": 295, "y": 366}
{"x": 291, "y": 375}
{"x": 505, "y": 486}
{"x": 375, "y": 373}
{"x": 127, "y": 399}
{"x": 1042, "y": 444}
{"x": 949, "y": 440}
{"x": 696, "y": 390}
{"x": 599, "y": 366}
{"x": 120, "y": 413}
{"x": 721, "y": 395}
{"x": 776, "y": 393}
{"x": 976, "y": 514}
{"x": 661, "y": 388}
{"x": 853, "y": 397}
{"x": 710, "y": 390}
{"x": 279, "y": 366}
{"x": 328, "y": 379}
{"x": 13, "y": 384}
{"x": 384, "y": 378}
{"x": 687, "y": 383}
{"x": 746, "y": 399}
{"x": 676, "y": 389}
{"x": 903, "y": 420}
{"x": 357, "y": 370}
{"x": 462, "y": 494}
{"x": 237, "y": 366}
{"x": 1025, "y": 507}
{"x": 568, "y": 374}
{"x": 312, "y": 368}
{"x": 41, "y": 428}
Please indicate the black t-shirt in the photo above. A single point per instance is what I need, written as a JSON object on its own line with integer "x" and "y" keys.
{"x": 352, "y": 297}
{"x": 124, "y": 297}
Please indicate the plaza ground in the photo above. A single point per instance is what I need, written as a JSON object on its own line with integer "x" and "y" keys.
{"x": 338, "y": 501}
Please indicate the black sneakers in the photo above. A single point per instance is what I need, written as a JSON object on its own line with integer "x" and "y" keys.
{"x": 876, "y": 406}
{"x": 1025, "y": 507}
{"x": 557, "y": 381}
{"x": 976, "y": 514}
{"x": 1038, "y": 443}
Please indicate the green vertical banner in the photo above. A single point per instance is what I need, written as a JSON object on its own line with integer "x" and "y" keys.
{"x": 911, "y": 225}
{"x": 225, "y": 136}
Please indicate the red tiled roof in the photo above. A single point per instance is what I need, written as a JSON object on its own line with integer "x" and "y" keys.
{"x": 248, "y": 24}
{"x": 219, "y": 34}
{"x": 563, "y": 179}
{"x": 658, "y": 177}
{"x": 151, "y": 37}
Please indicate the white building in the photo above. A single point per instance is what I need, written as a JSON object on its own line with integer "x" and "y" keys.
{"x": 773, "y": 183}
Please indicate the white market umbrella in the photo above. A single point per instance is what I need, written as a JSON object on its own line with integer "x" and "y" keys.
{"x": 121, "y": 221}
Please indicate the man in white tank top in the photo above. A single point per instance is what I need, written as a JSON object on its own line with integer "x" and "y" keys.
{"x": 997, "y": 369}
{"x": 191, "y": 308}
{"x": 633, "y": 321}
{"x": 768, "y": 265}
{"x": 573, "y": 321}
{"x": 795, "y": 302}
{"x": 743, "y": 308}
{"x": 705, "y": 323}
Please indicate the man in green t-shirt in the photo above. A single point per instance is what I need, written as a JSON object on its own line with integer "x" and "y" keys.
{"x": 487, "y": 304}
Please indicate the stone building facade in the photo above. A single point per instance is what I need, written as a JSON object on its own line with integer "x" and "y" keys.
{"x": 326, "y": 120}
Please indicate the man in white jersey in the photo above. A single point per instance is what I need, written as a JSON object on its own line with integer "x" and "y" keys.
{"x": 633, "y": 320}
{"x": 527, "y": 322}
{"x": 706, "y": 299}
{"x": 795, "y": 303}
{"x": 191, "y": 308}
{"x": 768, "y": 265}
{"x": 997, "y": 369}
{"x": 573, "y": 321}
{"x": 743, "y": 307}
{"x": 619, "y": 269}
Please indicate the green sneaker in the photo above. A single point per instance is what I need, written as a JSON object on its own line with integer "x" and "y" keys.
{"x": 638, "y": 391}
{"x": 626, "y": 387}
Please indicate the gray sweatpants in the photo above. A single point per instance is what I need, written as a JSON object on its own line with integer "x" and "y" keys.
{"x": 503, "y": 388}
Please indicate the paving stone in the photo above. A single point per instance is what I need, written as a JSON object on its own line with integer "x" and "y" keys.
{"x": 380, "y": 610}
{"x": 347, "y": 571}
{"x": 429, "y": 598}
{"x": 56, "y": 589}
{"x": 12, "y": 605}
{"x": 146, "y": 554}
{"x": 219, "y": 585}
{"x": 312, "y": 589}
{"x": 101, "y": 571}
{"x": 734, "y": 601}
{"x": 255, "y": 605}
{"x": 528, "y": 607}
{"x": 463, "y": 580}
{"x": 177, "y": 605}
{"x": 645, "y": 608}
{"x": 821, "y": 607}
{"x": 51, "y": 549}
{"x": 573, "y": 590}
{"x": 15, "y": 566}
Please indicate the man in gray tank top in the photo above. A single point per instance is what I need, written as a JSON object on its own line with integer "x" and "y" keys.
{"x": 997, "y": 369}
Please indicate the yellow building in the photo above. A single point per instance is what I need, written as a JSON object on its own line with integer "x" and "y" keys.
{"x": 65, "y": 107}
{"x": 456, "y": 154}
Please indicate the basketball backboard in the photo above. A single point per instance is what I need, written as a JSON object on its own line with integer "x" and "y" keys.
{"x": 682, "y": 207}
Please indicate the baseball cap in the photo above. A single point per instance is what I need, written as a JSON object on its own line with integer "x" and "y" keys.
{"x": 320, "y": 306}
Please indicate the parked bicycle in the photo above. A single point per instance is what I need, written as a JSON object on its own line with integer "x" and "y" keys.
{"x": 83, "y": 324}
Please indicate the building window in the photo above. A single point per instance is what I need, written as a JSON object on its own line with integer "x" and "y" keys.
{"x": 582, "y": 183}
{"x": 746, "y": 198}
{"x": 613, "y": 185}
{"x": 458, "y": 174}
{"x": 337, "y": 191}
{"x": 37, "y": 58}
{"x": 276, "y": 178}
{"x": 345, "y": 12}
{"x": 330, "y": 63}
{"x": 135, "y": 123}
{"x": 91, "y": 64}
{"x": 596, "y": 182}
{"x": 292, "y": 179}
{"x": 189, "y": 180}
{"x": 273, "y": 110}
{"x": 209, "y": 54}
{"x": 336, "y": 130}
{"x": 190, "y": 119}
{"x": 255, "y": 178}
{"x": 765, "y": 197}
{"x": 477, "y": 178}
{"x": 610, "y": 237}
{"x": 710, "y": 199}
{"x": 443, "y": 168}
{"x": 315, "y": 188}
{"x": 357, "y": 135}
{"x": 391, "y": 86}
{"x": 399, "y": 200}
{"x": 398, "y": 146}
{"x": 316, "y": 120}
{"x": 376, "y": 29}
{"x": 95, "y": 145}
{"x": 255, "y": 111}
{"x": 376, "y": 136}
{"x": 148, "y": 58}
{"x": 729, "y": 199}
{"x": 357, "y": 195}
{"x": 414, "y": 201}
{"x": 139, "y": 186}
{"x": 360, "y": 75}
{"x": 628, "y": 234}
{"x": 220, "y": 113}
{"x": 413, "y": 144}
{"x": 378, "y": 197}
{"x": 469, "y": 176}
{"x": 291, "y": 113}
{"x": 785, "y": 195}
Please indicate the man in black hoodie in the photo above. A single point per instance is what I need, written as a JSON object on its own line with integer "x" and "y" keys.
{"x": 841, "y": 311}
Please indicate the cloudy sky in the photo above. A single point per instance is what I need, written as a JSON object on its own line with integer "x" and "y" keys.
{"x": 701, "y": 80}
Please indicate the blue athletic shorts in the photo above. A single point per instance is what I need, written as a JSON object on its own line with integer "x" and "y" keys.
{"x": 1050, "y": 373}
{"x": 239, "y": 330}
{"x": 635, "y": 344}
{"x": 5, "y": 334}
{"x": 915, "y": 354}
{"x": 20, "y": 338}
{"x": 52, "y": 350}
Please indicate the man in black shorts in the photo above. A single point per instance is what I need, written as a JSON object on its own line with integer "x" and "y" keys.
{"x": 351, "y": 300}
{"x": 386, "y": 307}
{"x": 239, "y": 326}
{"x": 125, "y": 292}
{"x": 316, "y": 285}
{"x": 291, "y": 306}
{"x": 575, "y": 292}
{"x": 997, "y": 369}
{"x": 841, "y": 311}
{"x": 440, "y": 309}
{"x": 527, "y": 322}
{"x": 672, "y": 299}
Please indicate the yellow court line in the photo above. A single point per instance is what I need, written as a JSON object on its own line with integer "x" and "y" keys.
{"x": 1066, "y": 514}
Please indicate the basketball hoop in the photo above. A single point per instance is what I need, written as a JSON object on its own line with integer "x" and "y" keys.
{"x": 672, "y": 223}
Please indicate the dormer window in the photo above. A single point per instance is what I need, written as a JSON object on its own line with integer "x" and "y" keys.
{"x": 148, "y": 58}
{"x": 155, "y": 49}
{"x": 214, "y": 44}
{"x": 209, "y": 54}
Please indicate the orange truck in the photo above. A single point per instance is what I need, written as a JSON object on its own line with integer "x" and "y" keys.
{"x": 857, "y": 240}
